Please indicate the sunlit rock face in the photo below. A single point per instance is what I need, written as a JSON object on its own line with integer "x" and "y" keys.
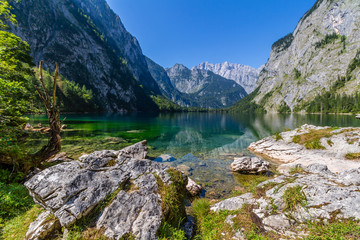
{"x": 243, "y": 75}
{"x": 205, "y": 88}
{"x": 309, "y": 61}
{"x": 92, "y": 47}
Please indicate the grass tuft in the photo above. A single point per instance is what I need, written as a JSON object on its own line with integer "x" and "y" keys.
{"x": 278, "y": 136}
{"x": 353, "y": 156}
{"x": 293, "y": 197}
{"x": 346, "y": 229}
{"x": 296, "y": 169}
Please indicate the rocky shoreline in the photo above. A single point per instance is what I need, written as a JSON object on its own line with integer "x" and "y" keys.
{"x": 121, "y": 194}
{"x": 286, "y": 203}
{"x": 116, "y": 193}
{"x": 310, "y": 144}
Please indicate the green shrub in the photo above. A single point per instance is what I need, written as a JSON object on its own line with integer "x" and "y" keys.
{"x": 329, "y": 38}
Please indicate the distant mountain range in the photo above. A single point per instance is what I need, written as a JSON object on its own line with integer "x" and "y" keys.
{"x": 243, "y": 75}
{"x": 93, "y": 48}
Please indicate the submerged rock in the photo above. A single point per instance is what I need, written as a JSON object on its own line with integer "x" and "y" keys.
{"x": 119, "y": 187}
{"x": 249, "y": 165}
{"x": 165, "y": 158}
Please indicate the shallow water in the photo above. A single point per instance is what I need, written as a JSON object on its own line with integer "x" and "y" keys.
{"x": 204, "y": 144}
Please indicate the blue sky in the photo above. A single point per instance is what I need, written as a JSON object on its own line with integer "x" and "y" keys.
{"x": 195, "y": 31}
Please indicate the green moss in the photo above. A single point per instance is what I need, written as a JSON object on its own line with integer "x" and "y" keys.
{"x": 293, "y": 197}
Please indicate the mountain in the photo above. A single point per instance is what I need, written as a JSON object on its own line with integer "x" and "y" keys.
{"x": 205, "y": 88}
{"x": 166, "y": 87}
{"x": 245, "y": 76}
{"x": 92, "y": 47}
{"x": 319, "y": 61}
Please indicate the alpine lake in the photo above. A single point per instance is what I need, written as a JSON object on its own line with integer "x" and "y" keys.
{"x": 203, "y": 144}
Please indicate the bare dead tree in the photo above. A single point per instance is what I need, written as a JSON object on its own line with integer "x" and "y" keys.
{"x": 54, "y": 144}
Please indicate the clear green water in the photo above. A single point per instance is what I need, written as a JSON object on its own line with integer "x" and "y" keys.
{"x": 205, "y": 143}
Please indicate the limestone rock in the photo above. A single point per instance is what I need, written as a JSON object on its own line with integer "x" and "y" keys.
{"x": 43, "y": 227}
{"x": 289, "y": 154}
{"x": 328, "y": 196}
{"x": 233, "y": 203}
{"x": 249, "y": 164}
{"x": 71, "y": 190}
{"x": 193, "y": 188}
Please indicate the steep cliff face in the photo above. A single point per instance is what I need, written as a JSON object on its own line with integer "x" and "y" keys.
{"x": 243, "y": 75}
{"x": 322, "y": 51}
{"x": 205, "y": 88}
{"x": 92, "y": 47}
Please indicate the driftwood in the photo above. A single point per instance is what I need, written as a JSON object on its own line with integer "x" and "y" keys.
{"x": 54, "y": 144}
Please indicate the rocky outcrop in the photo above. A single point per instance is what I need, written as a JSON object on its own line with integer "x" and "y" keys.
{"x": 309, "y": 61}
{"x": 320, "y": 194}
{"x": 205, "y": 88}
{"x": 43, "y": 227}
{"x": 249, "y": 165}
{"x": 331, "y": 147}
{"x": 119, "y": 189}
{"x": 92, "y": 47}
{"x": 245, "y": 76}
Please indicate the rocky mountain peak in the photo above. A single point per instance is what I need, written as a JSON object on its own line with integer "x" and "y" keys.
{"x": 243, "y": 75}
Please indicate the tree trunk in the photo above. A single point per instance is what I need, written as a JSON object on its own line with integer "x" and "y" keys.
{"x": 54, "y": 144}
